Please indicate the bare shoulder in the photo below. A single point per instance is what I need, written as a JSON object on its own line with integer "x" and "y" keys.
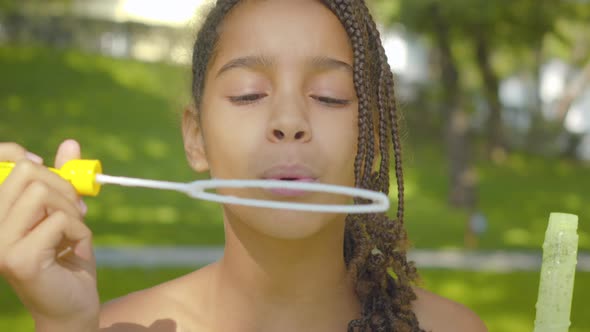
{"x": 140, "y": 311}
{"x": 438, "y": 314}
{"x": 162, "y": 308}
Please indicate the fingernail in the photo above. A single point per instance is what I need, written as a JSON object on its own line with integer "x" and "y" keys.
{"x": 34, "y": 158}
{"x": 84, "y": 207}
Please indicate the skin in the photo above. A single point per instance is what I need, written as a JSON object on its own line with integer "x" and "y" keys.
{"x": 281, "y": 270}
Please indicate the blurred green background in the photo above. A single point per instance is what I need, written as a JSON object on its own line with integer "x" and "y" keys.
{"x": 124, "y": 107}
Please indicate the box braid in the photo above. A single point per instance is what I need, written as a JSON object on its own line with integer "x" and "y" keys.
{"x": 375, "y": 246}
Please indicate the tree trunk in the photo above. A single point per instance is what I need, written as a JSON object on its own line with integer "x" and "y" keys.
{"x": 572, "y": 91}
{"x": 495, "y": 144}
{"x": 462, "y": 179}
{"x": 535, "y": 132}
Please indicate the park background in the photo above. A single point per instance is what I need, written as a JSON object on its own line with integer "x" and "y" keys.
{"x": 496, "y": 131}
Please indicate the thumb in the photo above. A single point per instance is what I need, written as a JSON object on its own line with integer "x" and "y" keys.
{"x": 68, "y": 150}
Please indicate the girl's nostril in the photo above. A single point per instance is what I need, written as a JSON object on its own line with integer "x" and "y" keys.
{"x": 278, "y": 134}
{"x": 299, "y": 135}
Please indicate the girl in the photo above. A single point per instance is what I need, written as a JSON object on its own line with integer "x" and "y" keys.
{"x": 293, "y": 90}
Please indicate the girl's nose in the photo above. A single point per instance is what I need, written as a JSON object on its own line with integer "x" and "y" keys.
{"x": 279, "y": 135}
{"x": 289, "y": 124}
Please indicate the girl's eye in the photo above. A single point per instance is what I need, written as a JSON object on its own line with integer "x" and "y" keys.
{"x": 246, "y": 99}
{"x": 334, "y": 102}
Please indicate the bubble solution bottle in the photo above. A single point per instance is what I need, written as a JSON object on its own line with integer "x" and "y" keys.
{"x": 558, "y": 270}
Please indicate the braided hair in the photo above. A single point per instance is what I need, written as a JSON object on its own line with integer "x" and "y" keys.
{"x": 375, "y": 246}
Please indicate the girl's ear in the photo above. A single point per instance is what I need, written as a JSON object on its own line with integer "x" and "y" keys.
{"x": 192, "y": 135}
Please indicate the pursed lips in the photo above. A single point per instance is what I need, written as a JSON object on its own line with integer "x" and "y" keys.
{"x": 297, "y": 173}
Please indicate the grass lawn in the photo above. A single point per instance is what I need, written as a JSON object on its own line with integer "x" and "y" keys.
{"x": 504, "y": 301}
{"x": 127, "y": 115}
{"x": 516, "y": 198}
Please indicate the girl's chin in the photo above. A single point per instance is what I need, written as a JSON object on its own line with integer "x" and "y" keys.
{"x": 286, "y": 224}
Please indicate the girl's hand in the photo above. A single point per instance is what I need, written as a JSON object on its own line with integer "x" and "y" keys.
{"x": 45, "y": 248}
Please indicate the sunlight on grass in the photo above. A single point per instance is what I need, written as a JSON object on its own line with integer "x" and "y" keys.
{"x": 13, "y": 104}
{"x": 505, "y": 301}
{"x": 517, "y": 237}
{"x": 141, "y": 214}
{"x": 73, "y": 108}
{"x": 454, "y": 289}
{"x": 564, "y": 168}
{"x": 132, "y": 74}
{"x": 117, "y": 148}
{"x": 517, "y": 163}
{"x": 410, "y": 189}
{"x": 156, "y": 148}
{"x": 111, "y": 239}
{"x": 572, "y": 201}
{"x": 512, "y": 322}
{"x": 17, "y": 322}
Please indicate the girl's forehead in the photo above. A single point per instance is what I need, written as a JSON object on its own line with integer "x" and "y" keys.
{"x": 280, "y": 13}
{"x": 283, "y": 28}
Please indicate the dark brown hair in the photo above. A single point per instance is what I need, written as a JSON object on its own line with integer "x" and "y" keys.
{"x": 375, "y": 246}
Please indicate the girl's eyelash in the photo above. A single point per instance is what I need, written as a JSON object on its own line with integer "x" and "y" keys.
{"x": 247, "y": 99}
{"x": 251, "y": 98}
{"x": 331, "y": 101}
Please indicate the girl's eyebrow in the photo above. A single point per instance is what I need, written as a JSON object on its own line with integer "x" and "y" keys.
{"x": 250, "y": 61}
{"x": 327, "y": 63}
{"x": 320, "y": 63}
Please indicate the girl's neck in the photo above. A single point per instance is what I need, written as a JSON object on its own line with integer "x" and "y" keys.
{"x": 277, "y": 284}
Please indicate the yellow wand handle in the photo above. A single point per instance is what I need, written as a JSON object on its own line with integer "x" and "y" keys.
{"x": 81, "y": 173}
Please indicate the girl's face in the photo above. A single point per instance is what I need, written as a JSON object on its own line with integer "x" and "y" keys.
{"x": 279, "y": 103}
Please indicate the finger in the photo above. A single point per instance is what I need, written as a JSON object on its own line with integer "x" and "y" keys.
{"x": 59, "y": 227}
{"x": 14, "y": 185}
{"x": 26, "y": 172}
{"x": 68, "y": 150}
{"x": 82, "y": 249}
{"x": 13, "y": 152}
{"x": 37, "y": 250}
{"x": 37, "y": 200}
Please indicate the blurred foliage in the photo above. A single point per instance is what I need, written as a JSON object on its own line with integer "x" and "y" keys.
{"x": 474, "y": 45}
{"x": 9, "y": 7}
{"x": 519, "y": 34}
{"x": 520, "y": 24}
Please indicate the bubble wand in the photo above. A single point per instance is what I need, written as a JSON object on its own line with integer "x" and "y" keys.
{"x": 87, "y": 178}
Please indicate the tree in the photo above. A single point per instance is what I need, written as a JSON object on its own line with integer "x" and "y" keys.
{"x": 431, "y": 19}
{"x": 515, "y": 30}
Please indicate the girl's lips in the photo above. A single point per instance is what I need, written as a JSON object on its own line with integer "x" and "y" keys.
{"x": 290, "y": 192}
{"x": 289, "y": 173}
